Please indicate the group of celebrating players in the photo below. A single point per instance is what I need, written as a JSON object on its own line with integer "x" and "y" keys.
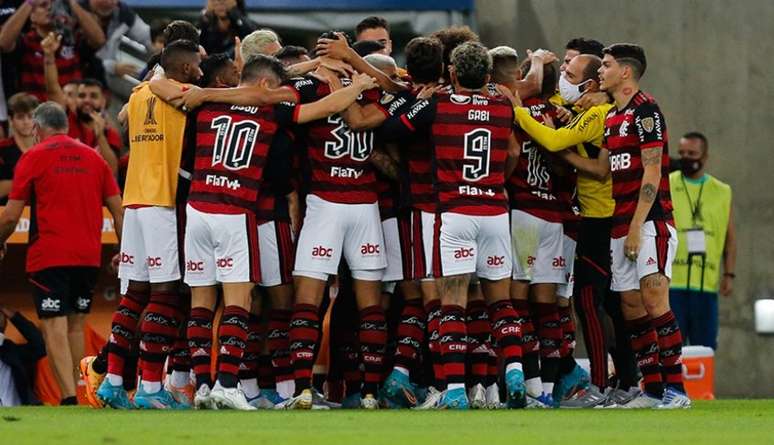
{"x": 440, "y": 218}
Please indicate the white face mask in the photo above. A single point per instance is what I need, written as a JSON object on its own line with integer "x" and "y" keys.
{"x": 569, "y": 92}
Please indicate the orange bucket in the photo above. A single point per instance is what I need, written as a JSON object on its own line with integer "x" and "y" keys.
{"x": 699, "y": 372}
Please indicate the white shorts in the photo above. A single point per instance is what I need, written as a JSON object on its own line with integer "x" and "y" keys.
{"x": 277, "y": 250}
{"x": 220, "y": 248}
{"x": 397, "y": 247}
{"x": 468, "y": 244}
{"x": 149, "y": 251}
{"x": 422, "y": 236}
{"x": 658, "y": 246}
{"x": 538, "y": 255}
{"x": 331, "y": 229}
{"x": 565, "y": 290}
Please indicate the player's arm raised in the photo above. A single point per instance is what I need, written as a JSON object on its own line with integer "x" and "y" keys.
{"x": 598, "y": 168}
{"x": 339, "y": 49}
{"x": 337, "y": 101}
{"x": 554, "y": 139}
{"x": 532, "y": 82}
{"x": 54, "y": 91}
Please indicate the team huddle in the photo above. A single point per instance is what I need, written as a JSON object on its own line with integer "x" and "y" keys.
{"x": 436, "y": 222}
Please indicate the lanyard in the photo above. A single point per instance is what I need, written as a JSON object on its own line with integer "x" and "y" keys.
{"x": 695, "y": 209}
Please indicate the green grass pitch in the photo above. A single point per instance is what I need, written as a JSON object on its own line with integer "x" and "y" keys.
{"x": 727, "y": 422}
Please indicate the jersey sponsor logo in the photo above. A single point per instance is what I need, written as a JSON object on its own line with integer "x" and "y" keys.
{"x": 369, "y": 249}
{"x": 620, "y": 161}
{"x": 650, "y": 261}
{"x": 126, "y": 259}
{"x": 82, "y": 303}
{"x": 150, "y": 118}
{"x": 194, "y": 266}
{"x": 463, "y": 253}
{"x": 222, "y": 181}
{"x": 224, "y": 263}
{"x": 416, "y": 109}
{"x": 153, "y": 262}
{"x": 470, "y": 190}
{"x": 623, "y": 130}
{"x": 50, "y": 305}
{"x": 460, "y": 99}
{"x": 346, "y": 172}
{"x": 495, "y": 261}
{"x": 396, "y": 104}
{"x": 531, "y": 260}
{"x": 559, "y": 263}
{"x": 322, "y": 252}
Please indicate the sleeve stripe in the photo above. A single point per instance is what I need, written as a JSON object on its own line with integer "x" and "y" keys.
{"x": 407, "y": 122}
{"x": 296, "y": 112}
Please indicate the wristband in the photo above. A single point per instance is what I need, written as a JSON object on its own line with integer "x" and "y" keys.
{"x": 729, "y": 274}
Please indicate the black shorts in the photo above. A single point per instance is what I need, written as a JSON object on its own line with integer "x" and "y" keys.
{"x": 592, "y": 263}
{"x": 63, "y": 290}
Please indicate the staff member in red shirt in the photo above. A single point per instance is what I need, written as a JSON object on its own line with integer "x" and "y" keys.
{"x": 66, "y": 183}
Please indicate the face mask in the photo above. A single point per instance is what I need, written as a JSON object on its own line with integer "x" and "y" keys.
{"x": 689, "y": 167}
{"x": 569, "y": 92}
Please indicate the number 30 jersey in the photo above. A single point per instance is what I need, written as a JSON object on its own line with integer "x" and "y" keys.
{"x": 469, "y": 136}
{"x": 232, "y": 146}
{"x": 338, "y": 156}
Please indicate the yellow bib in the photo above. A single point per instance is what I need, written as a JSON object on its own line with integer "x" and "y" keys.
{"x": 712, "y": 217}
{"x": 156, "y": 132}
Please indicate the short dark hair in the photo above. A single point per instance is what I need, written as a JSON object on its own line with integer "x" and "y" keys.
{"x": 700, "y": 136}
{"x": 366, "y": 47}
{"x": 180, "y": 30}
{"x": 259, "y": 65}
{"x": 451, "y": 38}
{"x": 586, "y": 46}
{"x": 21, "y": 103}
{"x": 92, "y": 82}
{"x": 629, "y": 54}
{"x": 424, "y": 59}
{"x": 291, "y": 52}
{"x": 157, "y": 29}
{"x": 372, "y": 22}
{"x": 472, "y": 63}
{"x": 211, "y": 67}
{"x": 173, "y": 52}
{"x": 550, "y": 77}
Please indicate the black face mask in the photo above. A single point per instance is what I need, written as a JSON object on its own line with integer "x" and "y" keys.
{"x": 689, "y": 167}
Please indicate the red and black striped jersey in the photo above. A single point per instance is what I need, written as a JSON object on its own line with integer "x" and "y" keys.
{"x": 531, "y": 187}
{"x": 470, "y": 135}
{"x": 338, "y": 156}
{"x": 277, "y": 183}
{"x": 394, "y": 195}
{"x": 638, "y": 126}
{"x": 232, "y": 146}
{"x": 31, "y": 77}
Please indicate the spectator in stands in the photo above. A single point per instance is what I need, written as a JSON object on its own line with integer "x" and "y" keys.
{"x": 78, "y": 28}
{"x": 707, "y": 243}
{"x": 157, "y": 35}
{"x": 221, "y": 22}
{"x": 262, "y": 41}
{"x": 291, "y": 54}
{"x": 87, "y": 123}
{"x": 375, "y": 28}
{"x": 66, "y": 183}
{"x": 118, "y": 20}
{"x": 175, "y": 30}
{"x": 17, "y": 362}
{"x": 20, "y": 108}
{"x": 70, "y": 90}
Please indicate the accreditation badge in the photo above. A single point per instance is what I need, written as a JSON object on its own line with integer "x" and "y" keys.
{"x": 696, "y": 241}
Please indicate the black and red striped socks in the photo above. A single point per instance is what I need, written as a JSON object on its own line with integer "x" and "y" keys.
{"x": 199, "y": 333}
{"x": 645, "y": 346}
{"x": 670, "y": 345}
{"x": 278, "y": 344}
{"x": 304, "y": 333}
{"x": 373, "y": 341}
{"x": 410, "y": 335}
{"x": 123, "y": 330}
{"x": 452, "y": 331}
{"x": 232, "y": 342}
{"x": 550, "y": 334}
{"x": 507, "y": 333}
{"x": 479, "y": 331}
{"x": 433, "y": 311}
{"x": 159, "y": 329}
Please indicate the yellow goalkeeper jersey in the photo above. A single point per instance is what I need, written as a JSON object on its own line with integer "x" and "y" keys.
{"x": 156, "y": 131}
{"x": 585, "y": 132}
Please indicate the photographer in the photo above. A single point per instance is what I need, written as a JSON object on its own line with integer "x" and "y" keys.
{"x": 221, "y": 22}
